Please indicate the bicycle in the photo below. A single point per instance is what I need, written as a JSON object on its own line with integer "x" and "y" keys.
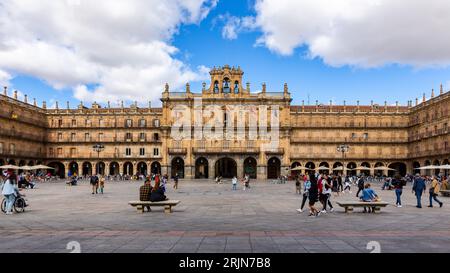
{"x": 19, "y": 204}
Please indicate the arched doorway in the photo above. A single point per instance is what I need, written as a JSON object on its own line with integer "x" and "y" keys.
{"x": 201, "y": 168}
{"x": 128, "y": 168}
{"x": 100, "y": 168}
{"x": 58, "y": 169}
{"x": 323, "y": 166}
{"x": 250, "y": 167}
{"x": 295, "y": 172}
{"x": 177, "y": 167}
{"x": 31, "y": 163}
{"x": 273, "y": 168}
{"x": 416, "y": 165}
{"x": 87, "y": 168}
{"x": 156, "y": 167}
{"x": 142, "y": 168}
{"x": 114, "y": 168}
{"x": 226, "y": 167}
{"x": 12, "y": 162}
{"x": 379, "y": 172}
{"x": 367, "y": 165}
{"x": 351, "y": 166}
{"x": 2, "y": 162}
{"x": 73, "y": 169}
{"x": 436, "y": 163}
{"x": 311, "y": 166}
{"x": 340, "y": 168}
{"x": 400, "y": 168}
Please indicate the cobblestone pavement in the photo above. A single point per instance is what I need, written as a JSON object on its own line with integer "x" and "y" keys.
{"x": 212, "y": 218}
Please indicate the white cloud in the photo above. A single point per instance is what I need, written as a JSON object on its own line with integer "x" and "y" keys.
{"x": 362, "y": 33}
{"x": 4, "y": 79}
{"x": 123, "y": 48}
{"x": 235, "y": 25}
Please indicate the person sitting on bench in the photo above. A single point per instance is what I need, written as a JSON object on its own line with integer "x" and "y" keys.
{"x": 157, "y": 193}
{"x": 145, "y": 191}
{"x": 73, "y": 181}
{"x": 368, "y": 195}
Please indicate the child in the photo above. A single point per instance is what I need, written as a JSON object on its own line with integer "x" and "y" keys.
{"x": 234, "y": 182}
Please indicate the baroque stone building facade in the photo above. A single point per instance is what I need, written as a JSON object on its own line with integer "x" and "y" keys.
{"x": 141, "y": 140}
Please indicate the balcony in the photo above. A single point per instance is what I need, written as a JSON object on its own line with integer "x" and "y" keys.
{"x": 24, "y": 136}
{"x": 348, "y": 140}
{"x": 228, "y": 150}
{"x": 22, "y": 153}
{"x": 177, "y": 151}
{"x": 274, "y": 151}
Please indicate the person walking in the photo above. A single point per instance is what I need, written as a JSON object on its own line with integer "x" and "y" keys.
{"x": 234, "y": 183}
{"x": 419, "y": 187}
{"x": 340, "y": 184}
{"x": 434, "y": 191}
{"x": 347, "y": 184}
{"x": 313, "y": 196}
{"x": 298, "y": 188}
{"x": 360, "y": 185}
{"x": 9, "y": 191}
{"x": 94, "y": 184}
{"x": 175, "y": 181}
{"x": 398, "y": 184}
{"x": 306, "y": 187}
{"x": 102, "y": 184}
{"x": 326, "y": 194}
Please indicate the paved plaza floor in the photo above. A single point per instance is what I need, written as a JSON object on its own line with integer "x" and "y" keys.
{"x": 212, "y": 218}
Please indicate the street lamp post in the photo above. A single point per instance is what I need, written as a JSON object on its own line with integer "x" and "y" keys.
{"x": 343, "y": 148}
{"x": 98, "y": 148}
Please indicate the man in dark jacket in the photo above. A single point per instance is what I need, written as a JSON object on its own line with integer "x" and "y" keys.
{"x": 360, "y": 186}
{"x": 419, "y": 187}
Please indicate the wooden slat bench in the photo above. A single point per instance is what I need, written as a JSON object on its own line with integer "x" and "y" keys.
{"x": 350, "y": 205}
{"x": 141, "y": 205}
{"x": 445, "y": 192}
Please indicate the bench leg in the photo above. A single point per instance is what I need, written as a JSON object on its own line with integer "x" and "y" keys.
{"x": 140, "y": 208}
{"x": 168, "y": 209}
{"x": 349, "y": 209}
{"x": 376, "y": 209}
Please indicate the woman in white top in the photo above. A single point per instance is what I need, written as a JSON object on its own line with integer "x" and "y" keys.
{"x": 10, "y": 191}
{"x": 234, "y": 182}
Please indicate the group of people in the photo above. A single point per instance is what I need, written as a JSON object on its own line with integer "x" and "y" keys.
{"x": 155, "y": 193}
{"x": 320, "y": 187}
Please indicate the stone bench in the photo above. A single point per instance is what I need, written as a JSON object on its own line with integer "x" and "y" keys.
{"x": 350, "y": 205}
{"x": 445, "y": 192}
{"x": 168, "y": 204}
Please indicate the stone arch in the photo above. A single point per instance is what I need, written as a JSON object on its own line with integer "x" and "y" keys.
{"x": 416, "y": 165}
{"x": 400, "y": 168}
{"x": 58, "y": 169}
{"x": 128, "y": 168}
{"x": 379, "y": 172}
{"x": 226, "y": 167}
{"x": 155, "y": 167}
{"x": 337, "y": 165}
{"x": 177, "y": 167}
{"x": 250, "y": 167}
{"x": 436, "y": 163}
{"x": 273, "y": 168}
{"x": 86, "y": 168}
{"x": 351, "y": 166}
{"x": 114, "y": 168}
{"x": 2, "y": 162}
{"x": 311, "y": 166}
{"x": 293, "y": 165}
{"x": 326, "y": 165}
{"x": 100, "y": 168}
{"x": 73, "y": 169}
{"x": 142, "y": 168}
{"x": 201, "y": 168}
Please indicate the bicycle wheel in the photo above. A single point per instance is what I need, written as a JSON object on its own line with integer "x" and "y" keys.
{"x": 19, "y": 205}
{"x": 4, "y": 205}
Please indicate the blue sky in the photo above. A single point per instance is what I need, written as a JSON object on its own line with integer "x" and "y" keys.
{"x": 203, "y": 44}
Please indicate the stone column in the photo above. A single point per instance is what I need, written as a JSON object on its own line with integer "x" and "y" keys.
{"x": 261, "y": 172}
{"x": 240, "y": 167}
{"x": 188, "y": 172}
{"x": 212, "y": 168}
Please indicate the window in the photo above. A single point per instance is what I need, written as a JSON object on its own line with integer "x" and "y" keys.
{"x": 87, "y": 137}
{"x": 156, "y": 137}
{"x": 100, "y": 137}
{"x": 216, "y": 87}
{"x": 142, "y": 151}
{"x": 87, "y": 123}
{"x": 73, "y": 152}
{"x": 50, "y": 151}
{"x": 366, "y": 136}
{"x": 73, "y": 136}
{"x": 101, "y": 123}
{"x": 156, "y": 152}
{"x": 74, "y": 122}
{"x": 128, "y": 123}
{"x": 142, "y": 123}
{"x": 353, "y": 135}
{"x": 1, "y": 147}
{"x": 59, "y": 136}
{"x": 236, "y": 87}
{"x": 59, "y": 151}
{"x": 128, "y": 151}
{"x": 142, "y": 136}
{"x": 445, "y": 127}
{"x": 128, "y": 137}
{"x": 446, "y": 146}
{"x": 156, "y": 123}
{"x": 60, "y": 123}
